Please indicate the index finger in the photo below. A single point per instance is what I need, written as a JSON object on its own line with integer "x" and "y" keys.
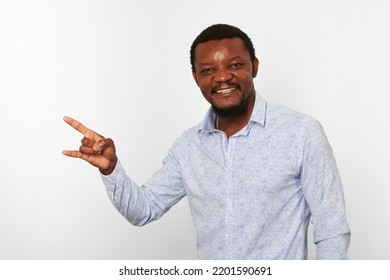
{"x": 88, "y": 133}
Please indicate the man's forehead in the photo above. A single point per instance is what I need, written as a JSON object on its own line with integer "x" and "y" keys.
{"x": 218, "y": 49}
{"x": 218, "y": 55}
{"x": 226, "y": 42}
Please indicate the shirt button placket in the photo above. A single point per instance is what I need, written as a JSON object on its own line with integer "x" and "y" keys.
{"x": 229, "y": 189}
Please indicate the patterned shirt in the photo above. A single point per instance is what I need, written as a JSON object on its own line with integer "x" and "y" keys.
{"x": 252, "y": 195}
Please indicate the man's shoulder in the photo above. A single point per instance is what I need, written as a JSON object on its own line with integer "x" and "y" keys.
{"x": 188, "y": 135}
{"x": 283, "y": 113}
{"x": 293, "y": 129}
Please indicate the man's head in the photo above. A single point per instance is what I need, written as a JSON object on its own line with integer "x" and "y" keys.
{"x": 223, "y": 66}
{"x": 219, "y": 32}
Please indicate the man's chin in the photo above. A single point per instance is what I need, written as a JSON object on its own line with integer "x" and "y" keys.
{"x": 230, "y": 111}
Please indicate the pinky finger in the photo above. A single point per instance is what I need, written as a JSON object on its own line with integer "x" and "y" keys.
{"x": 75, "y": 154}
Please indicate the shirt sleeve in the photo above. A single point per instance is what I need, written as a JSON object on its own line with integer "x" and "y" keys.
{"x": 143, "y": 204}
{"x": 324, "y": 194}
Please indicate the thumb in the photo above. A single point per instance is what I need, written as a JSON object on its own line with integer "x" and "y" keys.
{"x": 100, "y": 145}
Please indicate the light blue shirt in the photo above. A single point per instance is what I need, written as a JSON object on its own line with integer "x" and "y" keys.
{"x": 251, "y": 195}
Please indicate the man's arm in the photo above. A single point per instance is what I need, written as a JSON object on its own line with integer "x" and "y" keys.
{"x": 324, "y": 194}
{"x": 139, "y": 205}
{"x": 143, "y": 204}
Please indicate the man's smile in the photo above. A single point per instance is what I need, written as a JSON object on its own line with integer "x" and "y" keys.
{"x": 225, "y": 89}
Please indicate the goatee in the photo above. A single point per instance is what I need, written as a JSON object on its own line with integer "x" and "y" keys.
{"x": 233, "y": 110}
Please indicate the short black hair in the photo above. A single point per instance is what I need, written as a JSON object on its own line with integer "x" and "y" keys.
{"x": 219, "y": 32}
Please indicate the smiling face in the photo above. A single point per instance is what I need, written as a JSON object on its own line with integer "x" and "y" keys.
{"x": 224, "y": 73}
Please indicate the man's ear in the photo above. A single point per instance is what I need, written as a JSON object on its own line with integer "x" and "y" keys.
{"x": 255, "y": 65}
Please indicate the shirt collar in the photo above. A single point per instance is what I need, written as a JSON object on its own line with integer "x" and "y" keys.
{"x": 258, "y": 116}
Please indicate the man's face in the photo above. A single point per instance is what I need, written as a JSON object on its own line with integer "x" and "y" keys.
{"x": 224, "y": 73}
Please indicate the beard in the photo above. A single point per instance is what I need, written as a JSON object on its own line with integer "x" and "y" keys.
{"x": 233, "y": 110}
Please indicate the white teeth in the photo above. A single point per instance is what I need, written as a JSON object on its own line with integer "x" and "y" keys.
{"x": 224, "y": 91}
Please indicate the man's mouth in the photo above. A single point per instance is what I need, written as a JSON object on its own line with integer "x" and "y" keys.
{"x": 225, "y": 90}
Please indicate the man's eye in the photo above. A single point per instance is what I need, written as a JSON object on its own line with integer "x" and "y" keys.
{"x": 206, "y": 71}
{"x": 237, "y": 65}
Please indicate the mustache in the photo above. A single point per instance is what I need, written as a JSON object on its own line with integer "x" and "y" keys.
{"x": 220, "y": 86}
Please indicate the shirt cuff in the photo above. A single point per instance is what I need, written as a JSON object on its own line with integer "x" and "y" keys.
{"x": 334, "y": 248}
{"x": 118, "y": 175}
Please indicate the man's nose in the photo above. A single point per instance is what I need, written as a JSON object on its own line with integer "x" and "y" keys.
{"x": 222, "y": 75}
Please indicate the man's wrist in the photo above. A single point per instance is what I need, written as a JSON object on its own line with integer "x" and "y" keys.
{"x": 110, "y": 168}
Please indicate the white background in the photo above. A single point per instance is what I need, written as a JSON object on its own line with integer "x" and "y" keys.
{"x": 122, "y": 68}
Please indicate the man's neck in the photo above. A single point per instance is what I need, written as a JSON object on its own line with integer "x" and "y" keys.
{"x": 232, "y": 124}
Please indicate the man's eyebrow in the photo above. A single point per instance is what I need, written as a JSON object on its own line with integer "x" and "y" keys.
{"x": 209, "y": 63}
{"x": 233, "y": 58}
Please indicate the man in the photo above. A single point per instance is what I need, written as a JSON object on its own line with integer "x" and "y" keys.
{"x": 254, "y": 172}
